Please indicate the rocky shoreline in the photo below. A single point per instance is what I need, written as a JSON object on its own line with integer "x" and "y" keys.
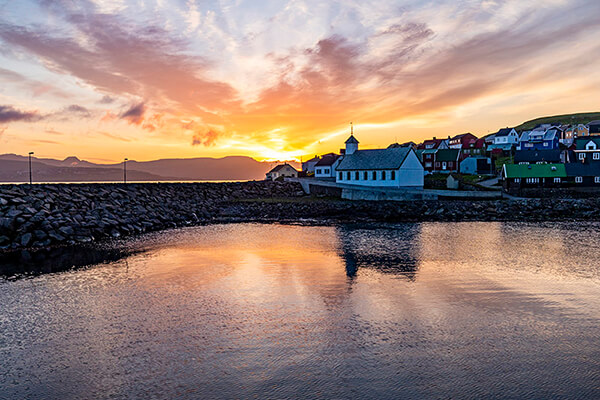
{"x": 59, "y": 215}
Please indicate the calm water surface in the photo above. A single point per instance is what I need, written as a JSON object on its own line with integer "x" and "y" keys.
{"x": 433, "y": 310}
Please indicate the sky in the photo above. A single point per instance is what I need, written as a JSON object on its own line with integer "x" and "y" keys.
{"x": 282, "y": 80}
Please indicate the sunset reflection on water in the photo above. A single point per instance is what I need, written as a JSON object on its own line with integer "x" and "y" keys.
{"x": 230, "y": 311}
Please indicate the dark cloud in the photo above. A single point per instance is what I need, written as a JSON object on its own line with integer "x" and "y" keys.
{"x": 135, "y": 114}
{"x": 11, "y": 114}
{"x": 205, "y": 138}
{"x": 106, "y": 100}
{"x": 78, "y": 110}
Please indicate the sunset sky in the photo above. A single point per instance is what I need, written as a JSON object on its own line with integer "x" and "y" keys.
{"x": 103, "y": 80}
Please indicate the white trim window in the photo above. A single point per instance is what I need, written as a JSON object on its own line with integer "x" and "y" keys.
{"x": 517, "y": 180}
{"x": 556, "y": 180}
{"x": 597, "y": 179}
{"x": 582, "y": 156}
{"x": 596, "y": 156}
{"x": 578, "y": 179}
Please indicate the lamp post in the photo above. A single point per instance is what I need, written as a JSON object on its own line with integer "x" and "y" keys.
{"x": 30, "y": 176}
{"x": 125, "y": 170}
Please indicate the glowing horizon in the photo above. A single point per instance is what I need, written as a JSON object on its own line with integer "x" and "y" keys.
{"x": 275, "y": 80}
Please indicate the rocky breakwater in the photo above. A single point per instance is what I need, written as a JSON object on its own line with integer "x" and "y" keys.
{"x": 309, "y": 210}
{"x": 43, "y": 216}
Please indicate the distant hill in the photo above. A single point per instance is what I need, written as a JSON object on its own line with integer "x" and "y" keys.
{"x": 14, "y": 168}
{"x": 580, "y": 118}
{"x": 18, "y": 171}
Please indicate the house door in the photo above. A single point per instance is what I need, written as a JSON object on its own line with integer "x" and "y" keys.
{"x": 444, "y": 166}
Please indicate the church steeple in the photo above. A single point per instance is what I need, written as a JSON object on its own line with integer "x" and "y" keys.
{"x": 351, "y": 142}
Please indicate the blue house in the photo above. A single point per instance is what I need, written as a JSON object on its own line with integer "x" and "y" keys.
{"x": 539, "y": 139}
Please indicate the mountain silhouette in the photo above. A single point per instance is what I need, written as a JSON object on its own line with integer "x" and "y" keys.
{"x": 15, "y": 168}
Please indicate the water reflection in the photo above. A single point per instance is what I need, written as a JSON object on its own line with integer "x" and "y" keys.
{"x": 437, "y": 310}
{"x": 19, "y": 264}
{"x": 386, "y": 249}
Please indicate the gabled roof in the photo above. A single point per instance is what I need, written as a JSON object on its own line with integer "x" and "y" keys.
{"x": 280, "y": 167}
{"x": 327, "y": 160}
{"x": 534, "y": 171}
{"x": 351, "y": 139}
{"x": 374, "y": 159}
{"x": 463, "y": 135}
{"x": 504, "y": 132}
{"x": 550, "y": 156}
{"x": 581, "y": 142}
{"x": 447, "y": 155}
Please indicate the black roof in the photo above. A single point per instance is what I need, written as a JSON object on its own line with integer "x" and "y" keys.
{"x": 504, "y": 132}
{"x": 580, "y": 169}
{"x": 374, "y": 159}
{"x": 351, "y": 139}
{"x": 327, "y": 160}
{"x": 550, "y": 156}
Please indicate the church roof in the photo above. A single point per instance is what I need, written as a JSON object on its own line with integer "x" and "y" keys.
{"x": 374, "y": 159}
{"x": 351, "y": 139}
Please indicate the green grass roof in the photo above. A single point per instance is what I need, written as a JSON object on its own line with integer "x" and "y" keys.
{"x": 535, "y": 171}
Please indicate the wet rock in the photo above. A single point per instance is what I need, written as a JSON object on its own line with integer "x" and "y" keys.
{"x": 25, "y": 239}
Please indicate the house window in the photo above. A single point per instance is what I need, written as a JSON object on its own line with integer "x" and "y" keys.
{"x": 437, "y": 164}
{"x": 327, "y": 171}
{"x": 545, "y": 144}
{"x": 427, "y": 165}
{"x": 341, "y": 176}
{"x": 517, "y": 180}
{"x": 356, "y": 176}
{"x": 383, "y": 175}
{"x": 444, "y": 166}
{"x": 523, "y": 163}
{"x": 374, "y": 175}
{"x": 556, "y": 180}
{"x": 582, "y": 156}
{"x": 366, "y": 176}
{"x": 393, "y": 175}
{"x": 348, "y": 175}
{"x": 596, "y": 156}
{"x": 597, "y": 179}
{"x": 578, "y": 179}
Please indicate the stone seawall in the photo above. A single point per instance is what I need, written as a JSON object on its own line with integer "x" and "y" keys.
{"x": 46, "y": 216}
{"x": 42, "y": 216}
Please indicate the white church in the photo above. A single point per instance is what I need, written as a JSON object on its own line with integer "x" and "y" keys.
{"x": 392, "y": 167}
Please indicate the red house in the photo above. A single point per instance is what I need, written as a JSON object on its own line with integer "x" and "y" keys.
{"x": 461, "y": 141}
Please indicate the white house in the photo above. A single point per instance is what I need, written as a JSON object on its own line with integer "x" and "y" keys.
{"x": 392, "y": 167}
{"x": 505, "y": 138}
{"x": 325, "y": 168}
{"x": 285, "y": 170}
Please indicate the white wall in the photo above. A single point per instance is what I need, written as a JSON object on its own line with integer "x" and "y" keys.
{"x": 410, "y": 174}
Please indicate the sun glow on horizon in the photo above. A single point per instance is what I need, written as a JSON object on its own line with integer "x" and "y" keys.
{"x": 284, "y": 80}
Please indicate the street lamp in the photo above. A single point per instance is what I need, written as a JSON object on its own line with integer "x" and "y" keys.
{"x": 30, "y": 177}
{"x": 125, "y": 170}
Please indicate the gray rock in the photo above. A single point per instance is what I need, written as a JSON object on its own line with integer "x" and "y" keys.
{"x": 66, "y": 230}
{"x": 56, "y": 237}
{"x": 26, "y": 239}
{"x": 39, "y": 234}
